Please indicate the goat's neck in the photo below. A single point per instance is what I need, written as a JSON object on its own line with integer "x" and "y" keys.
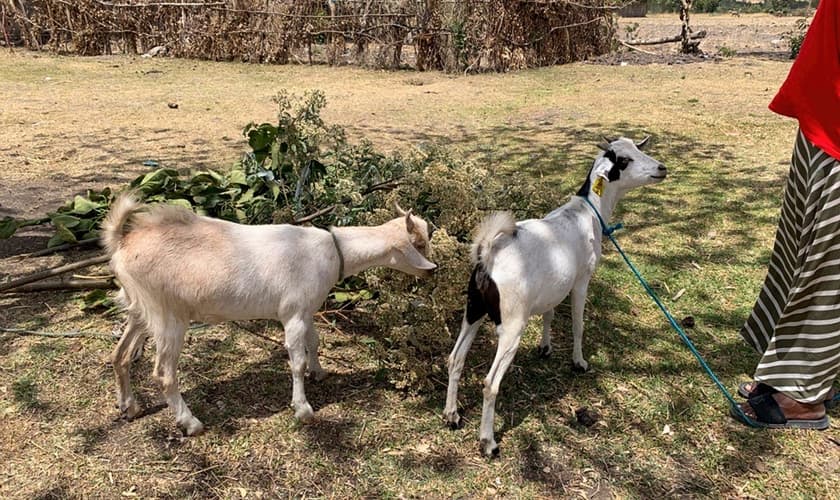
{"x": 605, "y": 204}
{"x": 363, "y": 247}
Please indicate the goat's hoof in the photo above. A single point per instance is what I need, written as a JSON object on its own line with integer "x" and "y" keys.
{"x": 489, "y": 448}
{"x": 454, "y": 421}
{"x": 128, "y": 410}
{"x": 544, "y": 351}
{"x": 192, "y": 427}
{"x": 580, "y": 367}
{"x": 318, "y": 375}
{"x": 305, "y": 414}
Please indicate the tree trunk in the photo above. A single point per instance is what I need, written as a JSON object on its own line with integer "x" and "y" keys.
{"x": 687, "y": 45}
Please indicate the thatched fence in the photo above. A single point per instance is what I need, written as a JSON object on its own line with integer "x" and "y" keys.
{"x": 451, "y": 35}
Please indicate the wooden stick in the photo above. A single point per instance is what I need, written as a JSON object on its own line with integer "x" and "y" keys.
{"x": 61, "y": 248}
{"x": 101, "y": 259}
{"x": 258, "y": 334}
{"x": 88, "y": 284}
{"x": 637, "y": 49}
{"x": 158, "y": 4}
{"x": 670, "y": 39}
{"x": 20, "y": 331}
{"x": 89, "y": 277}
{"x": 315, "y": 215}
{"x": 382, "y": 186}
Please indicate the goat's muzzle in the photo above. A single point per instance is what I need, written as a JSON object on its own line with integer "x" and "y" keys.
{"x": 662, "y": 172}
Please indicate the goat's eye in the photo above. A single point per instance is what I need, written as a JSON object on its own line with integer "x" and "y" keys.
{"x": 623, "y": 162}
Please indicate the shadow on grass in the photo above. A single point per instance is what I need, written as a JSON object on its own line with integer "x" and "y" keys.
{"x": 259, "y": 390}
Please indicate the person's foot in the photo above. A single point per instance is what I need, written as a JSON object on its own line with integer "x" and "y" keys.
{"x": 790, "y": 408}
{"x": 748, "y": 389}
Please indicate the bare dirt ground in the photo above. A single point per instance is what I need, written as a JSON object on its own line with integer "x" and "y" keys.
{"x": 742, "y": 35}
{"x": 72, "y": 123}
{"x": 68, "y": 124}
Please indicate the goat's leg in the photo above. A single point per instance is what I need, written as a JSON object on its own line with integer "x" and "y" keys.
{"x": 510, "y": 333}
{"x": 456, "y": 366}
{"x": 169, "y": 340}
{"x": 137, "y": 352}
{"x": 134, "y": 335}
{"x": 545, "y": 343}
{"x": 578, "y": 302}
{"x": 296, "y": 346}
{"x": 313, "y": 365}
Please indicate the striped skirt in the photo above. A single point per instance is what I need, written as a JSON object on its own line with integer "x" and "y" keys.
{"x": 795, "y": 323}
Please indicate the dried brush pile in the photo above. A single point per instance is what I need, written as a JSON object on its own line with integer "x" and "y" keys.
{"x": 450, "y": 35}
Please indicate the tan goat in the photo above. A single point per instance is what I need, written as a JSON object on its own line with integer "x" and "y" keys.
{"x": 175, "y": 266}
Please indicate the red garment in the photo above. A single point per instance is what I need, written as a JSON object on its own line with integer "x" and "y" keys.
{"x": 811, "y": 92}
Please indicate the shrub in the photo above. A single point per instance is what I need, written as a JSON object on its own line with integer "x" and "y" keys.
{"x": 707, "y": 6}
{"x": 420, "y": 320}
{"x": 725, "y": 51}
{"x": 796, "y": 36}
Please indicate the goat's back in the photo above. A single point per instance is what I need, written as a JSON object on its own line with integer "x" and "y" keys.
{"x": 545, "y": 258}
{"x": 175, "y": 262}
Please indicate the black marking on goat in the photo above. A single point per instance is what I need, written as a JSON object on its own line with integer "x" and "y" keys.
{"x": 619, "y": 164}
{"x": 482, "y": 297}
{"x": 584, "y": 190}
{"x": 614, "y": 173}
{"x": 587, "y": 184}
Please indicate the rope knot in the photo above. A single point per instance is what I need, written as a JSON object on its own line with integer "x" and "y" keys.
{"x": 609, "y": 230}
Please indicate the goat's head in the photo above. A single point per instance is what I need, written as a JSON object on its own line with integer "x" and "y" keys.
{"x": 624, "y": 166}
{"x": 410, "y": 247}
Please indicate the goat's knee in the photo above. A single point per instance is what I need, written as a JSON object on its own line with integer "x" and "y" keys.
{"x": 490, "y": 390}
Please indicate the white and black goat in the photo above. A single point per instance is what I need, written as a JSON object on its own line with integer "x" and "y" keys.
{"x": 175, "y": 266}
{"x": 527, "y": 268}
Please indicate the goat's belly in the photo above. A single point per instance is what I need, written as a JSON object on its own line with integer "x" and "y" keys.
{"x": 219, "y": 312}
{"x": 544, "y": 306}
{"x": 549, "y": 298}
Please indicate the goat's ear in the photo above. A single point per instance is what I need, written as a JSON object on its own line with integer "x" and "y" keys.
{"x": 399, "y": 209}
{"x": 409, "y": 224}
{"x": 604, "y": 146}
{"x": 641, "y": 144}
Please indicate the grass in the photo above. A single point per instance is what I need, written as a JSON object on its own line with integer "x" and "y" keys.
{"x": 708, "y": 230}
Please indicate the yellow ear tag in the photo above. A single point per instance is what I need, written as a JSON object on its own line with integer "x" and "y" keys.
{"x": 598, "y": 187}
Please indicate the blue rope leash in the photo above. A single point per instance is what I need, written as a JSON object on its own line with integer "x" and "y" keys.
{"x": 608, "y": 232}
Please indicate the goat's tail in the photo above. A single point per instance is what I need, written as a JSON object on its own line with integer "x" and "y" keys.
{"x": 494, "y": 225}
{"x": 114, "y": 227}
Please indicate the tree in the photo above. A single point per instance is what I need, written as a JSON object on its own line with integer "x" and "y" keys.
{"x": 688, "y": 46}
